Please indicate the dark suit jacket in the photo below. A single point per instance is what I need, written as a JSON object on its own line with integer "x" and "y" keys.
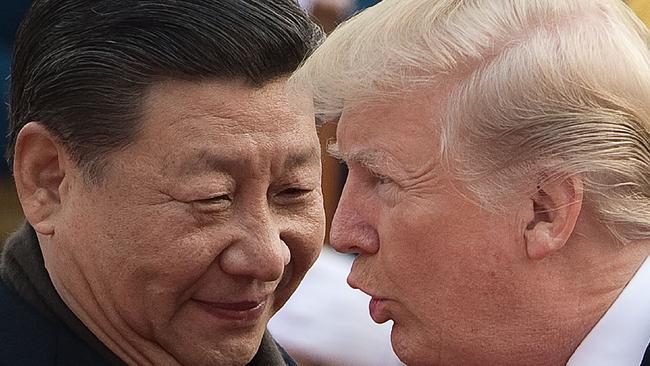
{"x": 646, "y": 357}
{"x": 28, "y": 338}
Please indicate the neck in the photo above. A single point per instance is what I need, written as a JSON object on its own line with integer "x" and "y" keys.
{"x": 113, "y": 331}
{"x": 585, "y": 278}
{"x": 97, "y": 315}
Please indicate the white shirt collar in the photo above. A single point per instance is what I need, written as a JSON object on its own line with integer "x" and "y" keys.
{"x": 621, "y": 336}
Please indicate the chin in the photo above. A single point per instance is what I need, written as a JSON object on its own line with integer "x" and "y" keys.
{"x": 206, "y": 344}
{"x": 231, "y": 354}
{"x": 410, "y": 351}
{"x": 421, "y": 359}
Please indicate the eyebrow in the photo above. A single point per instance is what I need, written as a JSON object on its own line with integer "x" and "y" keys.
{"x": 207, "y": 160}
{"x": 367, "y": 158}
{"x": 301, "y": 158}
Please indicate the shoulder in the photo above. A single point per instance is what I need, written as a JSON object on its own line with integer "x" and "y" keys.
{"x": 23, "y": 331}
{"x": 29, "y": 338}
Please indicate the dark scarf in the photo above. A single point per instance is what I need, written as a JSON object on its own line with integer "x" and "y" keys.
{"x": 23, "y": 270}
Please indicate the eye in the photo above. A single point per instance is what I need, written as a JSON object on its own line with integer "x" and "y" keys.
{"x": 293, "y": 194}
{"x": 215, "y": 202}
{"x": 381, "y": 178}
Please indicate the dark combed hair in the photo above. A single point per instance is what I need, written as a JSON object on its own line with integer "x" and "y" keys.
{"x": 82, "y": 67}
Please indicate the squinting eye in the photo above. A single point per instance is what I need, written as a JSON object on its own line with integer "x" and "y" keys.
{"x": 292, "y": 195}
{"x": 382, "y": 179}
{"x": 223, "y": 200}
{"x": 294, "y": 192}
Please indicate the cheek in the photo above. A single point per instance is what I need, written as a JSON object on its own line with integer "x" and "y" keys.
{"x": 306, "y": 234}
{"x": 304, "y": 251}
{"x": 157, "y": 284}
{"x": 446, "y": 235}
{"x": 175, "y": 262}
{"x": 158, "y": 260}
{"x": 304, "y": 238}
{"x": 412, "y": 242}
{"x": 450, "y": 264}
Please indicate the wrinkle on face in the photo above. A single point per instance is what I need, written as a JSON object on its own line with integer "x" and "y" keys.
{"x": 149, "y": 240}
{"x": 441, "y": 259}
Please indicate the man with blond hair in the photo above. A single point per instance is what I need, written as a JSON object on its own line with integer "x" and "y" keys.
{"x": 498, "y": 194}
{"x": 171, "y": 190}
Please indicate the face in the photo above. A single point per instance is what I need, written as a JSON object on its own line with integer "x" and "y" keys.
{"x": 438, "y": 265}
{"x": 201, "y": 229}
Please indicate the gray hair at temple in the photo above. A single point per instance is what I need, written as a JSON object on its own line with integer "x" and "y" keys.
{"x": 529, "y": 91}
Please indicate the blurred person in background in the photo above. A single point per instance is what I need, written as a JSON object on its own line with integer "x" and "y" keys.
{"x": 328, "y": 13}
{"x": 498, "y": 194}
{"x": 171, "y": 187}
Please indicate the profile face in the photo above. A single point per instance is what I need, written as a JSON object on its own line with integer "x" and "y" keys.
{"x": 202, "y": 228}
{"x": 435, "y": 263}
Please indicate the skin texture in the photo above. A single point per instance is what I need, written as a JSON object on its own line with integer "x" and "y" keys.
{"x": 463, "y": 285}
{"x": 217, "y": 201}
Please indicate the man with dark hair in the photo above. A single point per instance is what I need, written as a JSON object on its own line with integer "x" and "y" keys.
{"x": 171, "y": 186}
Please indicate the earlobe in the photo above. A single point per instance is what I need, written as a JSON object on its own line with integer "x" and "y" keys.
{"x": 38, "y": 172}
{"x": 555, "y": 209}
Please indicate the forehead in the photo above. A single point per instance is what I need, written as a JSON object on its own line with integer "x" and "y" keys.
{"x": 196, "y": 120}
{"x": 235, "y": 103}
{"x": 403, "y": 129}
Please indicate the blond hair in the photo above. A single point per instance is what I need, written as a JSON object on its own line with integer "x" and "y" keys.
{"x": 534, "y": 90}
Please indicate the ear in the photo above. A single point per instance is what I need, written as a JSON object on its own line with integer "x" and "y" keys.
{"x": 556, "y": 207}
{"x": 38, "y": 173}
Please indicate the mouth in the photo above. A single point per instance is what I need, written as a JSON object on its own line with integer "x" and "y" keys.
{"x": 243, "y": 312}
{"x": 378, "y": 308}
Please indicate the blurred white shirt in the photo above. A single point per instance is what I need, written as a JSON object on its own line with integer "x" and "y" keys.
{"x": 329, "y": 321}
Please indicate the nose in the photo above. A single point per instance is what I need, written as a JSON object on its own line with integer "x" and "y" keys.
{"x": 258, "y": 252}
{"x": 350, "y": 231}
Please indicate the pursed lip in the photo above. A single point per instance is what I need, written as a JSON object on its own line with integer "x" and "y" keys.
{"x": 378, "y": 306}
{"x": 243, "y": 311}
